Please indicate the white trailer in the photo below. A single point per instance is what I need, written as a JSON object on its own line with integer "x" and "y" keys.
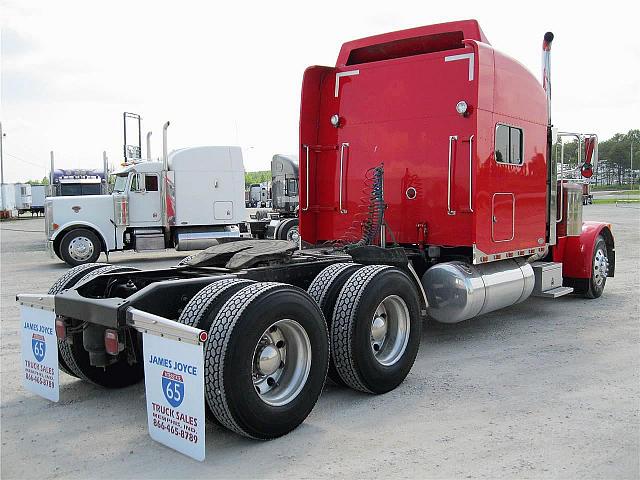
{"x": 22, "y": 194}
{"x": 9, "y": 199}
{"x": 190, "y": 200}
{"x": 38, "y": 196}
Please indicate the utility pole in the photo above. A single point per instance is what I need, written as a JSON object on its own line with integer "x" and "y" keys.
{"x": 2, "y": 206}
{"x": 631, "y": 165}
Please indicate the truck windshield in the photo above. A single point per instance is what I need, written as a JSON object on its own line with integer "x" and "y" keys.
{"x": 121, "y": 183}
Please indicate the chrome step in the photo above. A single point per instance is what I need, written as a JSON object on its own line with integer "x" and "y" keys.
{"x": 554, "y": 292}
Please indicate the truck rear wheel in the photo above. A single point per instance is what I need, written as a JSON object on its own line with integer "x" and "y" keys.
{"x": 116, "y": 375}
{"x": 376, "y": 328}
{"x": 205, "y": 305}
{"x": 66, "y": 281}
{"x": 324, "y": 289}
{"x": 80, "y": 246}
{"x": 288, "y": 230}
{"x": 266, "y": 360}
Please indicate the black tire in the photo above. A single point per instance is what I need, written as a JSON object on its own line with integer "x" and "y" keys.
{"x": 286, "y": 229}
{"x": 66, "y": 281}
{"x": 185, "y": 260}
{"x": 74, "y": 235}
{"x": 229, "y": 359}
{"x": 324, "y": 289}
{"x": 205, "y": 305}
{"x": 351, "y": 329}
{"x": 599, "y": 270}
{"x": 117, "y": 375}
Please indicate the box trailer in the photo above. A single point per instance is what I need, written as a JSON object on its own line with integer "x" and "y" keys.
{"x": 22, "y": 193}
{"x": 38, "y": 196}
{"x": 427, "y": 189}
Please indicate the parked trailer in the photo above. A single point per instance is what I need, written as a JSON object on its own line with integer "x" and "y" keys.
{"x": 38, "y": 196}
{"x": 22, "y": 192}
{"x": 460, "y": 213}
{"x": 190, "y": 200}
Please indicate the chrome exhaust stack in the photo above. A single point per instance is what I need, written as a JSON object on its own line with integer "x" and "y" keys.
{"x": 546, "y": 71}
{"x": 165, "y": 155}
{"x": 51, "y": 189}
{"x": 149, "y": 145}
{"x": 105, "y": 167}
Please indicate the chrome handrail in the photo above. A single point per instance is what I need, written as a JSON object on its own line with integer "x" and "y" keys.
{"x": 342, "y": 147}
{"x": 449, "y": 211}
{"x": 560, "y": 180}
{"x": 306, "y": 147}
{"x": 471, "y": 173}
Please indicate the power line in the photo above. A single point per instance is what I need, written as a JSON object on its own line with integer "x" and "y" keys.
{"x": 25, "y": 161}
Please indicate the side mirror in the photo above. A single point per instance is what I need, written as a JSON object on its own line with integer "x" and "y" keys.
{"x": 590, "y": 160}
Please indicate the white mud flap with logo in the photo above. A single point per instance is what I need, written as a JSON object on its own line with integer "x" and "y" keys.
{"x": 39, "y": 347}
{"x": 173, "y": 370}
{"x": 174, "y": 382}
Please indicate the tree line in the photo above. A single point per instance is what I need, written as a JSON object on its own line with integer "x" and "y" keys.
{"x": 614, "y": 165}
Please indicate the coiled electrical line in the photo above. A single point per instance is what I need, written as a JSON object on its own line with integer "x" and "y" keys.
{"x": 366, "y": 223}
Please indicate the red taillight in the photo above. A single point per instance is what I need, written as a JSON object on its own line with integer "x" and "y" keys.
{"x": 111, "y": 341}
{"x": 203, "y": 336}
{"x": 61, "y": 329}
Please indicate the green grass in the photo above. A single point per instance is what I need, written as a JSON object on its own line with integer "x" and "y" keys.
{"x": 613, "y": 201}
{"x": 615, "y": 188}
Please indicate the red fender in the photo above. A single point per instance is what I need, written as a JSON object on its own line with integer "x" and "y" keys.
{"x": 576, "y": 253}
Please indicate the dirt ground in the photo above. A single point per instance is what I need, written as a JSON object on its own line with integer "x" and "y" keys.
{"x": 544, "y": 389}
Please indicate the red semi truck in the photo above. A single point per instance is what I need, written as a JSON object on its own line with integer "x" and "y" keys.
{"x": 428, "y": 190}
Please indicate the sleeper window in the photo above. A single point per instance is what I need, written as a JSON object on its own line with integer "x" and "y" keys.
{"x": 508, "y": 144}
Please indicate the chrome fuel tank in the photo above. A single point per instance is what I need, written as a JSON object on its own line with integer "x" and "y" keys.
{"x": 457, "y": 291}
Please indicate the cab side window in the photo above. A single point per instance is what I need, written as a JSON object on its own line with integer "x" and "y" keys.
{"x": 135, "y": 185}
{"x": 151, "y": 183}
{"x": 509, "y": 142}
{"x": 292, "y": 187}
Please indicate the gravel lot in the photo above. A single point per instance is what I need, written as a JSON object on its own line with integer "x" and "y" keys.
{"x": 545, "y": 389}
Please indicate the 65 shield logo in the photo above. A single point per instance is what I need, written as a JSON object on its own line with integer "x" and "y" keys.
{"x": 38, "y": 346}
{"x": 173, "y": 388}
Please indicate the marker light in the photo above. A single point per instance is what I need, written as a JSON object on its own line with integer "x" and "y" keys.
{"x": 61, "y": 329}
{"x": 462, "y": 107}
{"x": 111, "y": 341}
{"x": 335, "y": 120}
{"x": 203, "y": 336}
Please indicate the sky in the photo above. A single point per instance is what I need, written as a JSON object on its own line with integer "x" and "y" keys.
{"x": 229, "y": 73}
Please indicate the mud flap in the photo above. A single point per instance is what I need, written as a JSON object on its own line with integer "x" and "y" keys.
{"x": 40, "y": 370}
{"x": 174, "y": 382}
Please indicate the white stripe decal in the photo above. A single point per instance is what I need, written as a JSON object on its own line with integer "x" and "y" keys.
{"x": 470, "y": 56}
{"x": 343, "y": 74}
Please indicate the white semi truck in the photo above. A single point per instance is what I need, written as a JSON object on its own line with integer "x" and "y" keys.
{"x": 189, "y": 200}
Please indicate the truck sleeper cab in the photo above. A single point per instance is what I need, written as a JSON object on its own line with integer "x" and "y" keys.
{"x": 188, "y": 202}
{"x": 428, "y": 191}
{"x": 285, "y": 198}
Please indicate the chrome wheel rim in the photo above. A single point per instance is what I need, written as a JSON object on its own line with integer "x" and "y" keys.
{"x": 293, "y": 235}
{"x": 389, "y": 333}
{"x": 600, "y": 267}
{"x": 281, "y": 362}
{"x": 80, "y": 249}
